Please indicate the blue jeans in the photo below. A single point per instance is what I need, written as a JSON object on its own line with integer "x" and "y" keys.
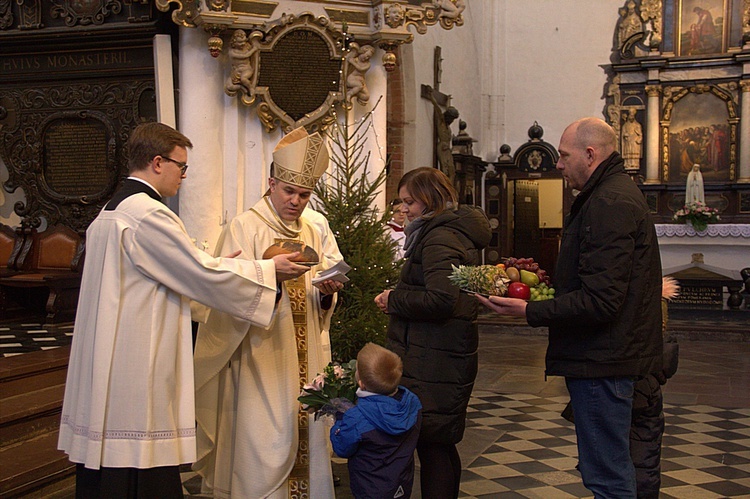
{"x": 602, "y": 410}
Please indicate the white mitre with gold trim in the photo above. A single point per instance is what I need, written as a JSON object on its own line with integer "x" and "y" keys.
{"x": 300, "y": 158}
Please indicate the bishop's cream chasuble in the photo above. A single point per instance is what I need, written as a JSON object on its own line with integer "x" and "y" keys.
{"x": 129, "y": 396}
{"x": 253, "y": 439}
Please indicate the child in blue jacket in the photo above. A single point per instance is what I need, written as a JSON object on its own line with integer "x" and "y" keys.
{"x": 380, "y": 433}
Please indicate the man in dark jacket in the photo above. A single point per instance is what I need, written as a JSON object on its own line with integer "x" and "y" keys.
{"x": 605, "y": 321}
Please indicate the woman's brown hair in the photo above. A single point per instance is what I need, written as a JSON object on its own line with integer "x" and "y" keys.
{"x": 432, "y": 188}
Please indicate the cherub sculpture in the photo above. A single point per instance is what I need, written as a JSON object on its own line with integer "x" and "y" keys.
{"x": 241, "y": 52}
{"x": 449, "y": 9}
{"x": 357, "y": 64}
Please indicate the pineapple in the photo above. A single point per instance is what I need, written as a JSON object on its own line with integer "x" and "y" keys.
{"x": 484, "y": 279}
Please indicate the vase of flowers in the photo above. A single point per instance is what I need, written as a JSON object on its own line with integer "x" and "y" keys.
{"x": 334, "y": 390}
{"x": 697, "y": 214}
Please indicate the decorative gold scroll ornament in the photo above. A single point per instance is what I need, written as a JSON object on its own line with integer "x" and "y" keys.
{"x": 249, "y": 32}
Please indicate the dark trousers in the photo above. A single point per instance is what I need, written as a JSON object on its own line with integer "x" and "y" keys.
{"x": 128, "y": 483}
{"x": 646, "y": 431}
{"x": 440, "y": 470}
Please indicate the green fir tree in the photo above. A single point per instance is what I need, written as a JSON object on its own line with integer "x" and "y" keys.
{"x": 346, "y": 197}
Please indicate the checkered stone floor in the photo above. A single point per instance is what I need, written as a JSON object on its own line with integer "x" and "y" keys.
{"x": 706, "y": 451}
{"x": 17, "y": 339}
{"x": 517, "y": 445}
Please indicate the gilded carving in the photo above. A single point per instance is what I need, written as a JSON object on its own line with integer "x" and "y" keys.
{"x": 395, "y": 15}
{"x": 651, "y": 11}
{"x": 613, "y": 109}
{"x": 182, "y": 15}
{"x": 746, "y": 22}
{"x": 386, "y": 23}
{"x": 217, "y": 5}
{"x": 282, "y": 63}
{"x": 630, "y": 24}
{"x": 653, "y": 90}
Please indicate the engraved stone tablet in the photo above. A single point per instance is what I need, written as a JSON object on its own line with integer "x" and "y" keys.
{"x": 75, "y": 156}
{"x": 299, "y": 72}
{"x": 693, "y": 295}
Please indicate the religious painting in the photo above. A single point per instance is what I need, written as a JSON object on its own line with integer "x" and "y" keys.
{"x": 699, "y": 133}
{"x": 703, "y": 27}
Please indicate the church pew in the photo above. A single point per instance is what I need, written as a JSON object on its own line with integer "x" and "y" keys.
{"x": 53, "y": 265}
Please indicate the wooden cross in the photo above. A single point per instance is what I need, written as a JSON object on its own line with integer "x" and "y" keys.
{"x": 443, "y": 100}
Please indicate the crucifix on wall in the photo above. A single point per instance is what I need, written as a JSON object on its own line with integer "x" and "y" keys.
{"x": 441, "y": 120}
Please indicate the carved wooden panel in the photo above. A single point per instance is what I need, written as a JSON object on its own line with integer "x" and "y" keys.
{"x": 62, "y": 144}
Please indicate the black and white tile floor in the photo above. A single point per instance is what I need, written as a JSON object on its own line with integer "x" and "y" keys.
{"x": 16, "y": 339}
{"x": 530, "y": 451}
{"x": 533, "y": 451}
{"x": 516, "y": 443}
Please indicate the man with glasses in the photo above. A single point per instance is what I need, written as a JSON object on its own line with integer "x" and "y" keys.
{"x": 128, "y": 417}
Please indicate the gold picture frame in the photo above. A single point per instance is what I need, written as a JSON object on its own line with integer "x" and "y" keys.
{"x": 702, "y": 27}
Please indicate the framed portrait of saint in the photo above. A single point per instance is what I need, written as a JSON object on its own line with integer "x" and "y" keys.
{"x": 702, "y": 27}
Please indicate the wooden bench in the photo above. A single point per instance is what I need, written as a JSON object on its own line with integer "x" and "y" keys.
{"x": 53, "y": 263}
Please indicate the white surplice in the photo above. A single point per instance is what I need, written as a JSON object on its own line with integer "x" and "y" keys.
{"x": 129, "y": 396}
{"x": 248, "y": 381}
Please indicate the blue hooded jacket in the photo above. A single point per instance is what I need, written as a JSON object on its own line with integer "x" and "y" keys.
{"x": 379, "y": 436}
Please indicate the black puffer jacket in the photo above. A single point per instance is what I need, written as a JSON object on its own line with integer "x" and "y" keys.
{"x": 606, "y": 317}
{"x": 432, "y": 323}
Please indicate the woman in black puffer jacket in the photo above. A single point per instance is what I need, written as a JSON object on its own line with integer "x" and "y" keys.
{"x": 432, "y": 323}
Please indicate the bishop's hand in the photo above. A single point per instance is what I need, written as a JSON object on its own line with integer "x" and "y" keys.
{"x": 286, "y": 269}
{"x": 329, "y": 286}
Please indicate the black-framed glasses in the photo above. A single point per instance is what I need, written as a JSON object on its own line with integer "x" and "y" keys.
{"x": 183, "y": 166}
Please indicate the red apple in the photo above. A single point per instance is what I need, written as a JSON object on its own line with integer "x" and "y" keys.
{"x": 519, "y": 290}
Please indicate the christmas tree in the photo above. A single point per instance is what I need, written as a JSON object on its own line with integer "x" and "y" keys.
{"x": 346, "y": 197}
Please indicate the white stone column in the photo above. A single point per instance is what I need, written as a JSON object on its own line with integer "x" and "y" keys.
{"x": 201, "y": 119}
{"x": 491, "y": 135}
{"x": 744, "y": 176}
{"x": 165, "y": 108}
{"x": 377, "y": 84}
{"x": 653, "y": 113}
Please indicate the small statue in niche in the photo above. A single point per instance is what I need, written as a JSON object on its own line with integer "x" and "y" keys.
{"x": 694, "y": 186}
{"x": 443, "y": 121}
{"x": 630, "y": 24}
{"x": 241, "y": 76}
{"x": 358, "y": 63}
{"x": 632, "y": 142}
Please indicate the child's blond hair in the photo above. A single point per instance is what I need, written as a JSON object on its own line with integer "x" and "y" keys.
{"x": 379, "y": 369}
